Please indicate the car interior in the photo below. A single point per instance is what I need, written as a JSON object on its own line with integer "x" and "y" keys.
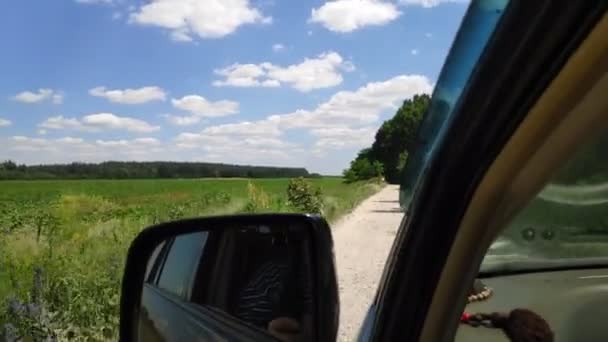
{"x": 569, "y": 294}
{"x": 232, "y": 256}
{"x": 552, "y": 259}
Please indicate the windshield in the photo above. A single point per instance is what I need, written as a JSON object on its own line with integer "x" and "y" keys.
{"x": 565, "y": 224}
{"x": 475, "y": 31}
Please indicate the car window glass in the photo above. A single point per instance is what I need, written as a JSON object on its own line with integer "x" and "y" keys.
{"x": 153, "y": 260}
{"x": 181, "y": 262}
{"x": 567, "y": 222}
{"x": 470, "y": 42}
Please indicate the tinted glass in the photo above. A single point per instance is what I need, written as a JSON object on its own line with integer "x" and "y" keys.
{"x": 181, "y": 262}
{"x": 475, "y": 31}
{"x": 153, "y": 260}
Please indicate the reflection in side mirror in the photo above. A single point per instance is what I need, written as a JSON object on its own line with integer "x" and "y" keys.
{"x": 237, "y": 278}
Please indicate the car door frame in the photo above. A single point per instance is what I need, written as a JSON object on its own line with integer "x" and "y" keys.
{"x": 213, "y": 323}
{"x": 516, "y": 67}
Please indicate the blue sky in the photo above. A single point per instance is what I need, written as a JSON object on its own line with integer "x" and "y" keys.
{"x": 293, "y": 83}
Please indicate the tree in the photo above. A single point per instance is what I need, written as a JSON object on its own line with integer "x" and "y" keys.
{"x": 131, "y": 170}
{"x": 378, "y": 169}
{"x": 8, "y": 165}
{"x": 362, "y": 168}
{"x": 402, "y": 161}
{"x": 163, "y": 171}
{"x": 394, "y": 141}
{"x": 397, "y": 136}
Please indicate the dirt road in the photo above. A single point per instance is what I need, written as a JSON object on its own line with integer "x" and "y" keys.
{"x": 362, "y": 241}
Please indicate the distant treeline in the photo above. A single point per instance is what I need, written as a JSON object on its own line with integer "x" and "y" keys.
{"x": 132, "y": 170}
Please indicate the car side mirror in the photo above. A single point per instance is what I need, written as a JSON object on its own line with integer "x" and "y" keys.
{"x": 239, "y": 278}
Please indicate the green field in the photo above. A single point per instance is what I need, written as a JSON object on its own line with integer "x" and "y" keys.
{"x": 63, "y": 243}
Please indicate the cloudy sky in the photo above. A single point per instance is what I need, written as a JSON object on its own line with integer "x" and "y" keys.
{"x": 272, "y": 82}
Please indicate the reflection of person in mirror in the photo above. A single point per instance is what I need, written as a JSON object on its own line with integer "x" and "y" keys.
{"x": 278, "y": 298}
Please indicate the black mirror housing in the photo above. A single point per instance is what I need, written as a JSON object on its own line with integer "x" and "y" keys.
{"x": 226, "y": 273}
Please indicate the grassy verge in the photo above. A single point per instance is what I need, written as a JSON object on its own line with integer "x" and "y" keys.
{"x": 63, "y": 243}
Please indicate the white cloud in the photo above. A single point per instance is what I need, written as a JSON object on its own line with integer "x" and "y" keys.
{"x": 70, "y": 140}
{"x": 259, "y": 150}
{"x": 414, "y": 52}
{"x": 147, "y": 141}
{"x": 70, "y": 149}
{"x": 130, "y": 96}
{"x": 243, "y": 75}
{"x": 199, "y": 109}
{"x": 43, "y": 94}
{"x": 61, "y": 122}
{"x": 258, "y": 142}
{"x": 205, "y": 19}
{"x": 57, "y": 98}
{"x": 278, "y": 47}
{"x": 140, "y": 142}
{"x": 42, "y": 131}
{"x": 5, "y": 122}
{"x": 185, "y": 120}
{"x": 362, "y": 106}
{"x": 338, "y": 138}
{"x": 350, "y": 15}
{"x": 199, "y": 106}
{"x": 428, "y": 35}
{"x": 429, "y": 3}
{"x": 320, "y": 72}
{"x": 323, "y": 138}
{"x": 227, "y": 142}
{"x": 313, "y": 73}
{"x": 262, "y": 128}
{"x": 111, "y": 121}
{"x": 349, "y": 119}
{"x": 22, "y": 143}
{"x": 99, "y": 122}
{"x": 344, "y": 132}
{"x": 181, "y": 36}
{"x": 45, "y": 146}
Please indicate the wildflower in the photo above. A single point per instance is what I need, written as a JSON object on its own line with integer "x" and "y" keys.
{"x": 15, "y": 307}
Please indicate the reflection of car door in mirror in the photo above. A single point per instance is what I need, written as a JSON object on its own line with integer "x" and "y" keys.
{"x": 168, "y": 277}
{"x": 261, "y": 280}
{"x": 154, "y": 262}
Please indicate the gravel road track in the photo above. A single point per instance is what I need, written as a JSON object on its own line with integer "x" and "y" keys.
{"x": 362, "y": 241}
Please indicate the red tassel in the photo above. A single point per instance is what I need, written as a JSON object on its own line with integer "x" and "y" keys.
{"x": 465, "y": 317}
{"x": 520, "y": 325}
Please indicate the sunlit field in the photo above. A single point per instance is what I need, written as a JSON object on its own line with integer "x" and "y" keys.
{"x": 63, "y": 243}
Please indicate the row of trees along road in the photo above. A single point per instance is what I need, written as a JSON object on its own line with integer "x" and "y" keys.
{"x": 394, "y": 140}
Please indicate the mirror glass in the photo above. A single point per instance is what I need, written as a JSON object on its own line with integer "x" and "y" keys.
{"x": 229, "y": 282}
